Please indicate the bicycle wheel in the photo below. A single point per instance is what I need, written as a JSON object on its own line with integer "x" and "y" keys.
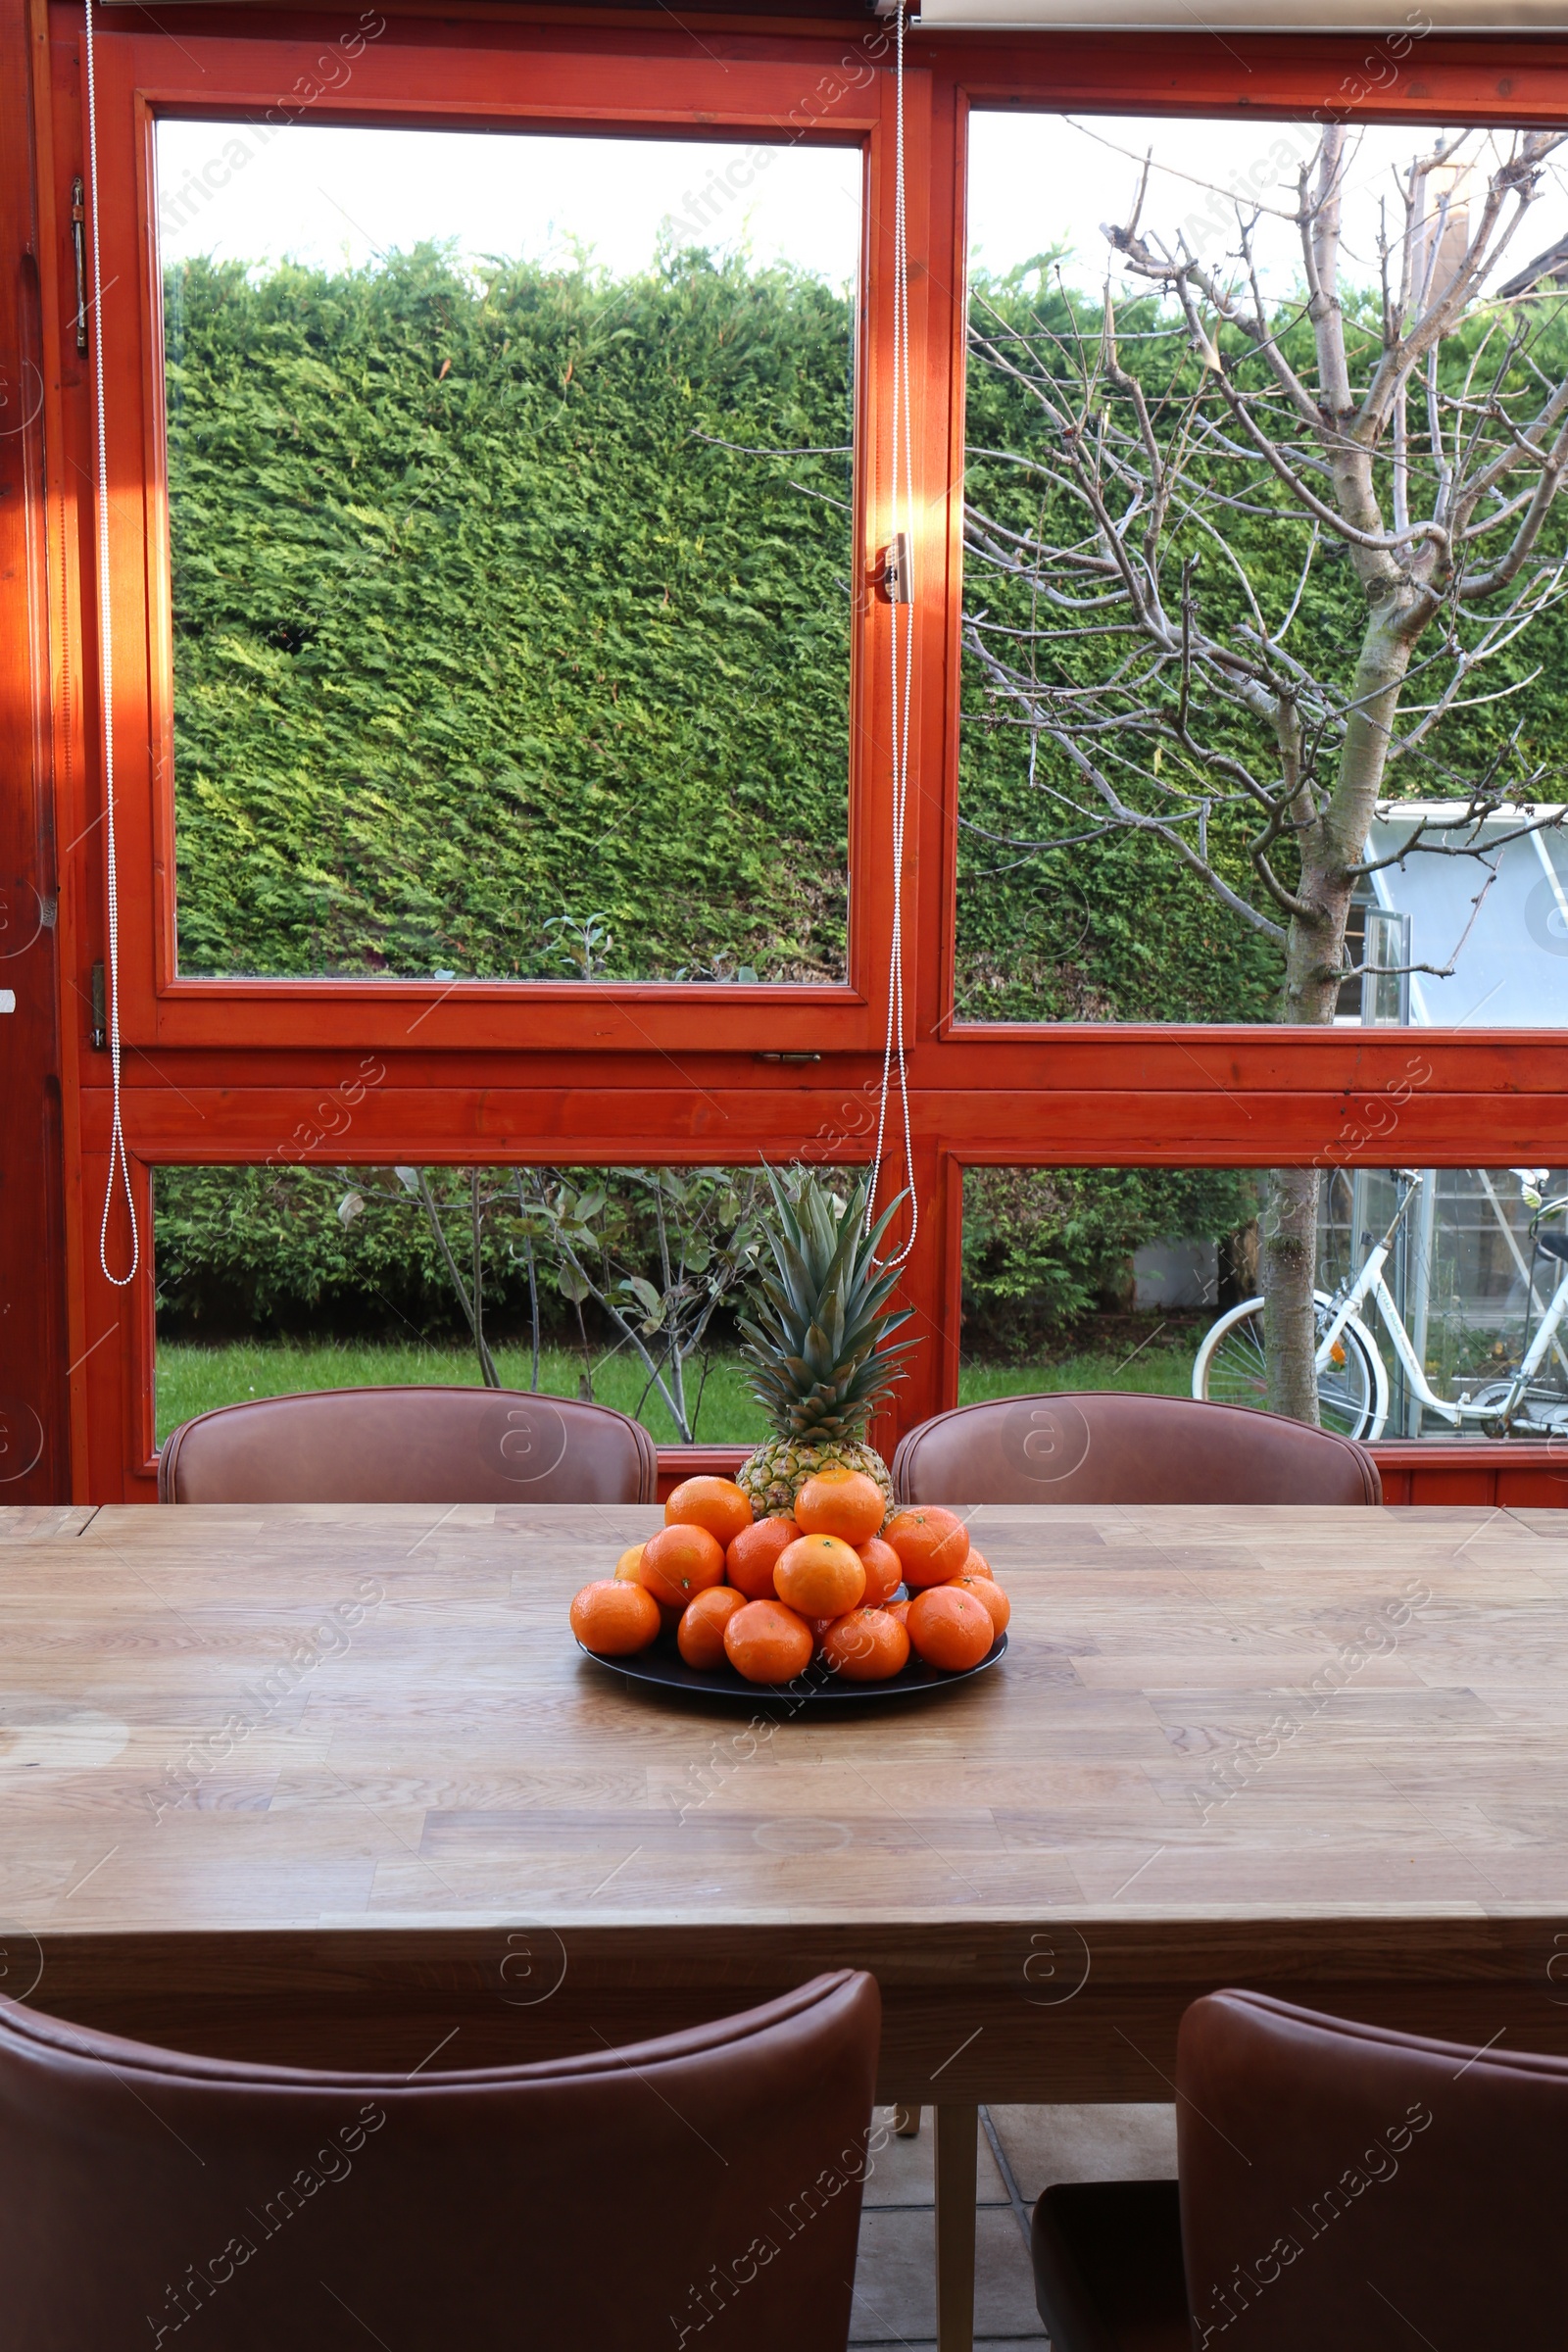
{"x": 1232, "y": 1368}
{"x": 1542, "y": 1411}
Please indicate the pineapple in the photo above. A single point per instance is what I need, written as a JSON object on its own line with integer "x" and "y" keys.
{"x": 819, "y": 1342}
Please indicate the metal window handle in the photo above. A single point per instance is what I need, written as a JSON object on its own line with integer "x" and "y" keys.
{"x": 78, "y": 247}
{"x": 897, "y": 570}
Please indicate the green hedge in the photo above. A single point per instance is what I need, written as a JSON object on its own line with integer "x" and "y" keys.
{"x": 473, "y": 629}
{"x": 257, "y": 1249}
{"x": 476, "y": 626}
{"x": 1045, "y": 1249}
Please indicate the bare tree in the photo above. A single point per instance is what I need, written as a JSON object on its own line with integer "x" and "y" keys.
{"x": 467, "y": 1198}
{"x": 658, "y": 1251}
{"x": 706, "y": 1232}
{"x": 1402, "y": 441}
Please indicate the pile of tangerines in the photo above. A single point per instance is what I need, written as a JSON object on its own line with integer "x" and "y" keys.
{"x": 832, "y": 1584}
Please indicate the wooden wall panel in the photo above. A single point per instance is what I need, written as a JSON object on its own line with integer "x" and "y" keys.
{"x": 1519, "y": 1477}
{"x": 718, "y": 1116}
{"x": 33, "y": 1444}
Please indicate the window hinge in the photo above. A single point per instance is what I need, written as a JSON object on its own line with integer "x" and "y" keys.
{"x": 787, "y": 1057}
{"x": 100, "y": 1017}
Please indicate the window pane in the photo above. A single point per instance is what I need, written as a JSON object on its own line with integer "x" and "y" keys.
{"x": 510, "y": 510}
{"x": 275, "y": 1279}
{"x": 1098, "y": 1278}
{"x": 1148, "y": 1280}
{"x": 1262, "y": 620}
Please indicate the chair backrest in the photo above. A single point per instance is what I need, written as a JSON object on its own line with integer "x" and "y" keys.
{"x": 408, "y": 1445}
{"x": 1346, "y": 2186}
{"x": 703, "y": 2188}
{"x": 1101, "y": 1447}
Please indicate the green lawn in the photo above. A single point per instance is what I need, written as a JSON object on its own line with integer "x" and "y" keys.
{"x": 191, "y": 1380}
{"x": 1151, "y": 1372}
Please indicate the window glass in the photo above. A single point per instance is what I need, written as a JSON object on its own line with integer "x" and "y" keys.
{"x": 1148, "y": 1280}
{"x": 1264, "y": 603}
{"x": 620, "y": 1285}
{"x": 510, "y": 490}
{"x": 625, "y": 1284}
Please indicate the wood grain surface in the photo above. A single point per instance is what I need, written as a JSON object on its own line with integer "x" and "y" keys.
{"x": 307, "y": 1783}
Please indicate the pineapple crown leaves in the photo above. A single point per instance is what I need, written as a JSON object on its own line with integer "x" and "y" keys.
{"x": 820, "y": 1338}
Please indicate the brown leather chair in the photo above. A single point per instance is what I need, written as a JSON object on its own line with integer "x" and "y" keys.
{"x": 1105, "y": 1447}
{"x": 412, "y": 1445}
{"x": 701, "y": 2189}
{"x": 1343, "y": 2188}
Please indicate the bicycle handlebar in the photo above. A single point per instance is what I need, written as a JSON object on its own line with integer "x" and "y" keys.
{"x": 1549, "y": 1209}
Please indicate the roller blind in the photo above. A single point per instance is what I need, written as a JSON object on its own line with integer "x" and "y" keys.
{"x": 1393, "y": 18}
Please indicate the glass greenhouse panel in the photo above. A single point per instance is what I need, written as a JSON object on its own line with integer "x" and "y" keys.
{"x": 510, "y": 531}
{"x": 1477, "y": 1277}
{"x": 1249, "y": 735}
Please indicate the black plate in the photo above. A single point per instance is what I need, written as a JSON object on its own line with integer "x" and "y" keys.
{"x": 666, "y": 1669}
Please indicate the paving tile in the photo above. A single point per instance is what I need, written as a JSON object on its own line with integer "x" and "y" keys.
{"x": 1045, "y": 2144}
{"x": 902, "y": 2172}
{"x": 895, "y": 2278}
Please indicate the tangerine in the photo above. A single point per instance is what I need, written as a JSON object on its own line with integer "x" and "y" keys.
{"x": 932, "y": 1543}
{"x": 869, "y": 1646}
{"x": 821, "y": 1576}
{"x": 679, "y": 1561}
{"x": 753, "y": 1554}
{"x": 614, "y": 1617}
{"x": 950, "y": 1628}
{"x": 985, "y": 1590}
{"x": 976, "y": 1563}
{"x": 767, "y": 1643}
{"x": 884, "y": 1571}
{"x": 701, "y": 1634}
{"x": 626, "y": 1568}
{"x": 841, "y": 1502}
{"x": 899, "y": 1610}
{"x": 715, "y": 1504}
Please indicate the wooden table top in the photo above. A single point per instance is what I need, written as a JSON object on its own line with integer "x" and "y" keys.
{"x": 1228, "y": 1731}
{"x": 191, "y": 1735}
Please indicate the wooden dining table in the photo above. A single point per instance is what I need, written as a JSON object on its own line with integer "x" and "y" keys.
{"x": 335, "y": 1786}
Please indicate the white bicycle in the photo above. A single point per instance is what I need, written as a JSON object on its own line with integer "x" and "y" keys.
{"x": 1352, "y": 1379}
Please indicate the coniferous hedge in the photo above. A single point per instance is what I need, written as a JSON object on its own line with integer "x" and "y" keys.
{"x": 474, "y": 627}
{"x": 478, "y": 623}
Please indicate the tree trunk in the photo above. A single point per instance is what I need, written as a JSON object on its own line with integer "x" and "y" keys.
{"x": 471, "y": 1307}
{"x": 487, "y": 1370}
{"x": 1331, "y": 844}
{"x": 1288, "y": 1262}
{"x": 533, "y": 1314}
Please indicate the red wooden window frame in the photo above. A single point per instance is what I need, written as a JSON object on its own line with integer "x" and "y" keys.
{"x": 142, "y": 76}
{"x": 244, "y": 1070}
